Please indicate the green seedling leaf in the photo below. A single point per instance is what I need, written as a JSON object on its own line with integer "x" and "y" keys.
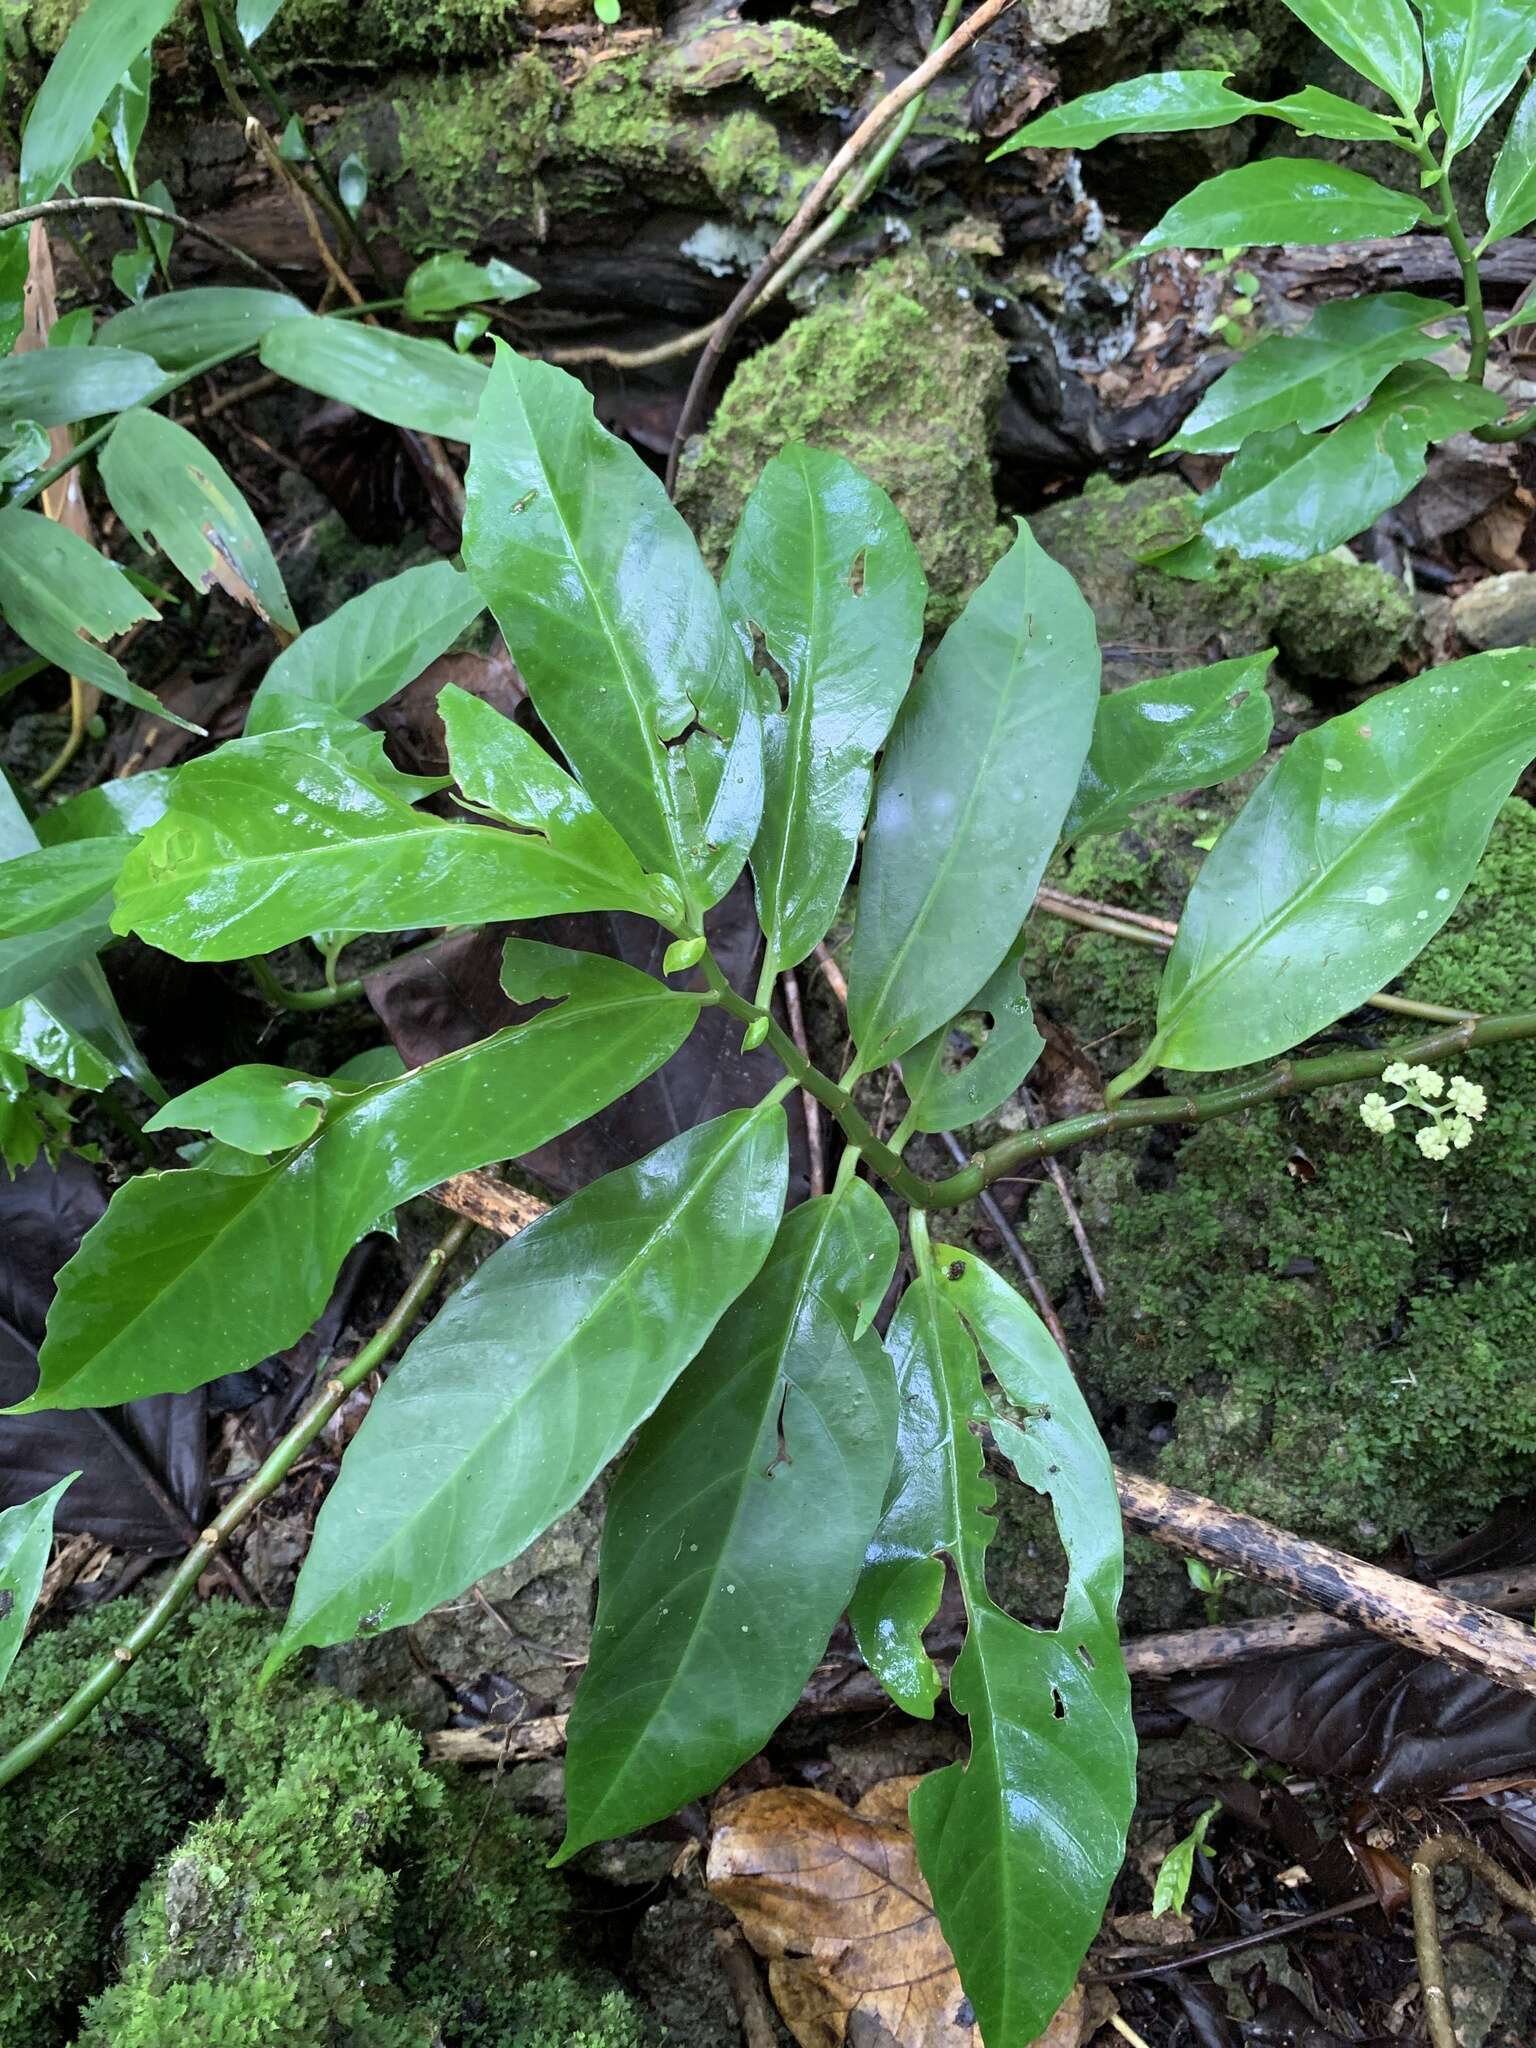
{"x": 569, "y": 537}
{"x": 1283, "y": 199}
{"x": 970, "y": 799}
{"x": 1344, "y": 863}
{"x": 26, "y": 1538}
{"x": 183, "y": 328}
{"x": 1176, "y": 1872}
{"x": 998, "y": 1027}
{"x": 62, "y": 598}
{"x": 400, "y": 378}
{"x": 1159, "y": 103}
{"x": 1511, "y": 200}
{"x": 191, "y": 1274}
{"x": 133, "y": 272}
{"x": 771, "y": 1455}
{"x": 445, "y": 283}
{"x": 1478, "y": 51}
{"x": 1021, "y": 1844}
{"x": 1377, "y": 38}
{"x": 254, "y": 1109}
{"x": 368, "y": 648}
{"x": 1312, "y": 379}
{"x": 54, "y": 909}
{"x": 102, "y": 44}
{"x": 502, "y": 1414}
{"x": 1173, "y": 733}
{"x": 170, "y": 491}
{"x": 824, "y": 569}
{"x": 270, "y": 839}
{"x": 54, "y": 387}
{"x": 352, "y": 184}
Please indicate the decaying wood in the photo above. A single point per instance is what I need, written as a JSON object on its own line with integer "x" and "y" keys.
{"x": 1403, "y": 260}
{"x": 486, "y": 1201}
{"x": 1420, "y": 1618}
{"x": 542, "y": 1736}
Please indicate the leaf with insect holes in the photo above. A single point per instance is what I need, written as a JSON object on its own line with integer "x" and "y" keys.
{"x": 1283, "y": 199}
{"x": 1343, "y": 864}
{"x": 999, "y": 1022}
{"x": 399, "y": 378}
{"x": 824, "y": 569}
{"x": 771, "y": 1455}
{"x": 506, "y": 1408}
{"x": 369, "y": 647}
{"x": 103, "y": 42}
{"x": 253, "y": 1108}
{"x": 197, "y": 322}
{"x": 195, "y": 1273}
{"x": 26, "y": 1538}
{"x": 1021, "y": 1843}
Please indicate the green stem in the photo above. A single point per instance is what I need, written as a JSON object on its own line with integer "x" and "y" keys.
{"x": 1466, "y": 260}
{"x": 278, "y": 1464}
{"x": 300, "y": 998}
{"x": 1509, "y": 430}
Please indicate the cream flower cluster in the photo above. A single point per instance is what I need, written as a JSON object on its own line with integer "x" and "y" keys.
{"x": 1451, "y": 1121}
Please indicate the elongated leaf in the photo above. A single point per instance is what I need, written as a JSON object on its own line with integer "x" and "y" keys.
{"x": 1020, "y": 1844}
{"x": 1284, "y": 199}
{"x": 999, "y": 1023}
{"x": 1159, "y": 103}
{"x": 528, "y": 1382}
{"x": 617, "y": 627}
{"x": 1511, "y": 203}
{"x": 970, "y": 799}
{"x": 190, "y": 326}
{"x": 270, "y": 839}
{"x": 395, "y": 377}
{"x": 823, "y": 567}
{"x": 101, "y": 45}
{"x": 504, "y": 770}
{"x": 736, "y": 1529}
{"x": 192, "y": 1274}
{"x": 254, "y": 17}
{"x": 255, "y": 1109}
{"x": 1314, "y": 111}
{"x": 444, "y": 283}
{"x": 1377, "y": 38}
{"x": 169, "y": 490}
{"x": 54, "y": 906}
{"x": 30, "y": 1031}
{"x": 120, "y": 809}
{"x": 56, "y": 386}
{"x": 1344, "y": 863}
{"x": 1477, "y": 50}
{"x": 26, "y": 1537}
{"x": 1170, "y": 734}
{"x": 368, "y": 648}
{"x": 55, "y": 590}
{"x": 1311, "y": 379}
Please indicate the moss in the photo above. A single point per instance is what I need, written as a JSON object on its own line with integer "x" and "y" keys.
{"x": 1335, "y": 620}
{"x": 904, "y": 377}
{"x": 1342, "y": 1326}
{"x": 778, "y": 59}
{"x": 330, "y": 1889}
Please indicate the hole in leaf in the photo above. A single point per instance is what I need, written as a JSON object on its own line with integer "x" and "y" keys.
{"x": 7, "y": 1602}
{"x": 856, "y": 573}
{"x": 1237, "y": 699}
{"x": 1085, "y": 1657}
{"x": 1058, "y": 1705}
{"x": 764, "y": 663}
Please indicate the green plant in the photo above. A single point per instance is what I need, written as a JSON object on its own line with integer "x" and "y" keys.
{"x": 786, "y": 1462}
{"x": 1330, "y": 427}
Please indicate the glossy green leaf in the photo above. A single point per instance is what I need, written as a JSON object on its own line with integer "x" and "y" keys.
{"x": 26, "y": 1540}
{"x": 270, "y": 839}
{"x": 1478, "y": 51}
{"x": 1021, "y": 1843}
{"x": 735, "y": 1530}
{"x": 120, "y": 809}
{"x": 1284, "y": 199}
{"x": 1312, "y": 379}
{"x": 13, "y": 285}
{"x": 1344, "y": 863}
{"x": 253, "y": 1108}
{"x": 254, "y": 17}
{"x": 970, "y": 799}
{"x": 352, "y": 183}
{"x": 1314, "y": 111}
{"x": 102, "y": 43}
{"x": 56, "y": 386}
{"x": 127, "y": 114}
{"x": 502, "y": 769}
{"x": 998, "y": 1026}
{"x": 617, "y": 627}
{"x": 183, "y": 328}
{"x": 395, "y": 377}
{"x": 171, "y": 492}
{"x": 368, "y": 648}
{"x": 61, "y": 597}
{"x": 1173, "y": 733}
{"x": 54, "y": 906}
{"x": 32, "y": 1032}
{"x": 1159, "y": 103}
{"x": 444, "y": 283}
{"x": 502, "y": 1414}
{"x": 192, "y": 1274}
{"x": 824, "y": 569}
{"x": 1377, "y": 38}
{"x": 1511, "y": 203}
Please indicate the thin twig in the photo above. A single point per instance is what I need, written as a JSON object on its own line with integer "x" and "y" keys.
{"x": 112, "y": 202}
{"x": 1427, "y": 1859}
{"x": 254, "y": 387}
{"x": 836, "y": 980}
{"x": 1063, "y": 1188}
{"x": 1208, "y": 1951}
{"x": 810, "y": 1106}
{"x": 991, "y": 1208}
{"x": 810, "y": 211}
{"x": 631, "y": 358}
{"x": 1126, "y": 2031}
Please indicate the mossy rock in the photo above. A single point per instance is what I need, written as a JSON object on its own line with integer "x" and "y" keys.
{"x": 904, "y": 376}
{"x": 292, "y": 1876}
{"x": 1335, "y": 621}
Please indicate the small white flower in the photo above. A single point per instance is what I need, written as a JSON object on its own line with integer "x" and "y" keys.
{"x": 1427, "y": 1081}
{"x": 1398, "y": 1075}
{"x": 1467, "y": 1097}
{"x": 1433, "y": 1141}
{"x": 1376, "y": 1116}
{"x": 1460, "y": 1129}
